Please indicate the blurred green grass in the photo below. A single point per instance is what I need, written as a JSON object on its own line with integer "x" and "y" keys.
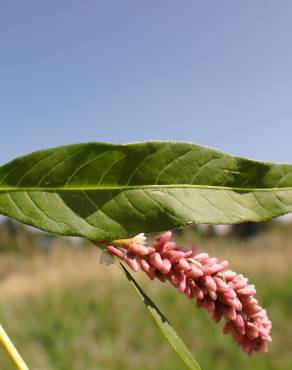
{"x": 66, "y": 312}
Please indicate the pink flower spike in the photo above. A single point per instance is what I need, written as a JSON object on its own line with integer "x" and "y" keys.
{"x": 221, "y": 291}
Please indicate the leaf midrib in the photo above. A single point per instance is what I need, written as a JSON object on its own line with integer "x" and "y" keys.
{"x": 137, "y": 187}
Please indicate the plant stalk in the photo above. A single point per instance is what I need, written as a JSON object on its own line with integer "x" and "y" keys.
{"x": 11, "y": 350}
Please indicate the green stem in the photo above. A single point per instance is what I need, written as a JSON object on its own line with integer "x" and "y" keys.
{"x": 11, "y": 350}
{"x": 174, "y": 340}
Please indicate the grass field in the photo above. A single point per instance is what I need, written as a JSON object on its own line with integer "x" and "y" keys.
{"x": 65, "y": 311}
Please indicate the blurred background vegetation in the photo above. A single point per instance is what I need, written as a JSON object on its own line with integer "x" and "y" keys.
{"x": 65, "y": 311}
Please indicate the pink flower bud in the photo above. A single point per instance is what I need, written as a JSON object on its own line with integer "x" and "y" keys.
{"x": 166, "y": 266}
{"x": 182, "y": 282}
{"x": 175, "y": 256}
{"x": 229, "y": 275}
{"x": 249, "y": 290}
{"x": 132, "y": 262}
{"x": 138, "y": 249}
{"x": 201, "y": 257}
{"x": 228, "y": 294}
{"x": 229, "y": 312}
{"x": 221, "y": 285}
{"x": 156, "y": 260}
{"x": 239, "y": 321}
{"x": 217, "y": 314}
{"x": 212, "y": 269}
{"x": 144, "y": 265}
{"x": 183, "y": 265}
{"x": 195, "y": 272}
{"x": 163, "y": 238}
{"x": 116, "y": 252}
{"x": 208, "y": 283}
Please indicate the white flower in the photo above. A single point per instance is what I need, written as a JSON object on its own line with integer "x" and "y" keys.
{"x": 140, "y": 239}
{"x": 106, "y": 258}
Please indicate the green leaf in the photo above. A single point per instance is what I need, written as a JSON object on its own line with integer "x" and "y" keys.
{"x": 103, "y": 191}
{"x": 167, "y": 330}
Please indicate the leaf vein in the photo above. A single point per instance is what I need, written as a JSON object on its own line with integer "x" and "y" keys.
{"x": 142, "y": 162}
{"x": 108, "y": 169}
{"x": 201, "y": 167}
{"x": 132, "y": 205}
{"x": 170, "y": 164}
{"x": 58, "y": 164}
{"x": 31, "y": 168}
{"x": 98, "y": 209}
{"x": 39, "y": 209}
{"x": 83, "y": 165}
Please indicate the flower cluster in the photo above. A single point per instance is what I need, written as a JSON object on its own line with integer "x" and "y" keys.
{"x": 221, "y": 291}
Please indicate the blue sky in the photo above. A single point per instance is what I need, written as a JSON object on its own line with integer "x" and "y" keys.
{"x": 216, "y": 73}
